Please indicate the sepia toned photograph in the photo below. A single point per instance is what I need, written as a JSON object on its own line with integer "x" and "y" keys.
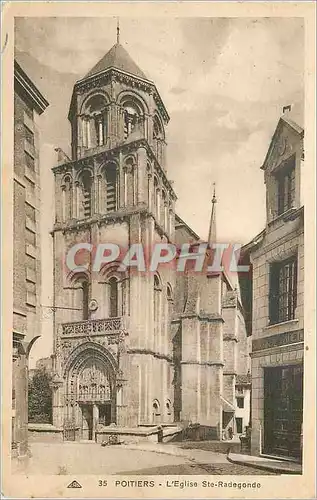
{"x": 159, "y": 185}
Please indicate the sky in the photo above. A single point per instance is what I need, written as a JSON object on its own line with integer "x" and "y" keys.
{"x": 224, "y": 82}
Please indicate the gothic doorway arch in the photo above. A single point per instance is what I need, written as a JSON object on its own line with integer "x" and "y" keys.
{"x": 90, "y": 395}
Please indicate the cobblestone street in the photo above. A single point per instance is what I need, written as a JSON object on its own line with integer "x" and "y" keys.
{"x": 146, "y": 459}
{"x": 224, "y": 468}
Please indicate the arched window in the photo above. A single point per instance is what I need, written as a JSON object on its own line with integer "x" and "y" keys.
{"x": 156, "y": 411}
{"x": 113, "y": 297}
{"x": 133, "y": 116}
{"x": 157, "y": 283}
{"x": 130, "y": 182}
{"x": 67, "y": 198}
{"x": 94, "y": 121}
{"x": 158, "y": 137}
{"x": 156, "y": 407}
{"x": 168, "y": 407}
{"x": 130, "y": 120}
{"x": 169, "y": 295}
{"x": 81, "y": 283}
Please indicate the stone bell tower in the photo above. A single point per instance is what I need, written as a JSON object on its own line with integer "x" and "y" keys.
{"x": 112, "y": 346}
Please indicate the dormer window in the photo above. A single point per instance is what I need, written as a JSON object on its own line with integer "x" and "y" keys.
{"x": 286, "y": 186}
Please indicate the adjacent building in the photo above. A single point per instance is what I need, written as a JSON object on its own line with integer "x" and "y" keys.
{"x": 277, "y": 298}
{"x": 28, "y": 104}
{"x": 134, "y": 349}
{"x": 243, "y": 403}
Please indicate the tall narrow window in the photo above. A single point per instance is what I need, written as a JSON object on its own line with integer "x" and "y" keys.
{"x": 125, "y": 178}
{"x": 149, "y": 191}
{"x": 164, "y": 202}
{"x": 133, "y": 116}
{"x": 157, "y": 311}
{"x": 94, "y": 110}
{"x": 130, "y": 119}
{"x": 157, "y": 199}
{"x": 113, "y": 302}
{"x": 283, "y": 290}
{"x": 169, "y": 301}
{"x": 99, "y": 126}
{"x": 286, "y": 186}
{"x": 87, "y": 193}
{"x": 86, "y": 132}
{"x": 85, "y": 288}
{"x": 134, "y": 185}
{"x": 158, "y": 137}
{"x": 67, "y": 198}
{"x": 170, "y": 220}
{"x": 111, "y": 187}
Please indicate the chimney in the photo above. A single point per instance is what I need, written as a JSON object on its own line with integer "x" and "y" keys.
{"x": 287, "y": 109}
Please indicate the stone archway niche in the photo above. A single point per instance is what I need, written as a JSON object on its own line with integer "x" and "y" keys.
{"x": 91, "y": 392}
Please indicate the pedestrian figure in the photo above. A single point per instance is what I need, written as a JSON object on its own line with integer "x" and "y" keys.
{"x": 230, "y": 433}
{"x": 160, "y": 434}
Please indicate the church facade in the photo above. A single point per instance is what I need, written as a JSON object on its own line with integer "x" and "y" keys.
{"x": 133, "y": 349}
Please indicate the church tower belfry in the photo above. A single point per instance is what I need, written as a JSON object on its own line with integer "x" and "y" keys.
{"x": 111, "y": 327}
{"x": 116, "y": 111}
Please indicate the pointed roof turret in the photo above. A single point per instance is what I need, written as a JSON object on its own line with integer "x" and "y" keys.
{"x": 212, "y": 227}
{"x": 117, "y": 58}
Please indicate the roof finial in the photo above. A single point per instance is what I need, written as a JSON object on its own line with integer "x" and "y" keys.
{"x": 118, "y": 30}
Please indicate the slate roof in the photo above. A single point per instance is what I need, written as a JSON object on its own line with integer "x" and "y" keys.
{"x": 118, "y": 58}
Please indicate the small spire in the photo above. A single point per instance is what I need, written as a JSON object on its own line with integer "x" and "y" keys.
{"x": 214, "y": 199}
{"x": 212, "y": 226}
{"x": 118, "y": 30}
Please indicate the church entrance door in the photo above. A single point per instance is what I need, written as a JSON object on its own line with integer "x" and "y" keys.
{"x": 87, "y": 421}
{"x": 105, "y": 414}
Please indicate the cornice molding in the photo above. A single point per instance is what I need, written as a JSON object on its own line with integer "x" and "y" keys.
{"x": 122, "y": 215}
{"x": 114, "y": 74}
{"x": 213, "y": 317}
{"x": 110, "y": 154}
{"x": 155, "y": 354}
{"x": 203, "y": 363}
{"x": 37, "y": 99}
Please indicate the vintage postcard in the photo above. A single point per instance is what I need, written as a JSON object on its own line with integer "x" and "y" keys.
{"x": 158, "y": 317}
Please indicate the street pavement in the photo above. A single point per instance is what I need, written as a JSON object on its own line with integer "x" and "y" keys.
{"x": 143, "y": 458}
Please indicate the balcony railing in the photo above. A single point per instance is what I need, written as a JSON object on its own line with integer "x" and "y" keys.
{"x": 88, "y": 327}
